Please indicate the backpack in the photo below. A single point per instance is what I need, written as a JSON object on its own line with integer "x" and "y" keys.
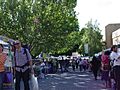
{"x": 26, "y": 47}
{"x": 25, "y": 52}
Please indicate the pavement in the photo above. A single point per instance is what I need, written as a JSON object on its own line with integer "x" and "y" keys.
{"x": 71, "y": 81}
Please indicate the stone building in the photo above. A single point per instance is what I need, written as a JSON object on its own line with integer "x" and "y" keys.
{"x": 109, "y": 29}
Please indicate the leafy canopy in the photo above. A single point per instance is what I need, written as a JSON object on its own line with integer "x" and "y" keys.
{"x": 43, "y": 24}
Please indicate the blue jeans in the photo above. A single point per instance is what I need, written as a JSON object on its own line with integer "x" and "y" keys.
{"x": 1, "y": 80}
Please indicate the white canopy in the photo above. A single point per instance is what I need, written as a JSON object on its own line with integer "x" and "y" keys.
{"x": 2, "y": 42}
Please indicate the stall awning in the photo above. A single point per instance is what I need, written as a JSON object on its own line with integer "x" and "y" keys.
{"x": 2, "y": 42}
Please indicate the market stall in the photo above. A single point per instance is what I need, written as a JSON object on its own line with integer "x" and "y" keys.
{"x": 8, "y": 77}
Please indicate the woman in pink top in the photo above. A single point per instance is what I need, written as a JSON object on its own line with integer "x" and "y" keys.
{"x": 105, "y": 59}
{"x": 105, "y": 68}
{"x": 2, "y": 68}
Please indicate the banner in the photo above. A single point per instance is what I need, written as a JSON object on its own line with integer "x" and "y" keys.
{"x": 86, "y": 48}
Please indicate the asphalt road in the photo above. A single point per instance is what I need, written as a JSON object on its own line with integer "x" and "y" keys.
{"x": 71, "y": 81}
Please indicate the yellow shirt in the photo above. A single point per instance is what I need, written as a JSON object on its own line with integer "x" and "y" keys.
{"x": 2, "y": 61}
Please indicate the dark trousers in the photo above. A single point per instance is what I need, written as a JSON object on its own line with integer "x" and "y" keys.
{"x": 84, "y": 67}
{"x": 25, "y": 77}
{"x": 73, "y": 67}
{"x": 95, "y": 72}
{"x": 80, "y": 67}
{"x": 76, "y": 65}
{"x": 117, "y": 76}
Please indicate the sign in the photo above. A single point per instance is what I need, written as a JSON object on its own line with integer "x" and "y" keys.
{"x": 86, "y": 48}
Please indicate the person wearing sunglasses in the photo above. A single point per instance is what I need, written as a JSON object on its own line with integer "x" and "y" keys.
{"x": 22, "y": 65}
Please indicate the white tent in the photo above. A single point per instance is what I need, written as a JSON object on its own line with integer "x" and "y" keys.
{"x": 2, "y": 42}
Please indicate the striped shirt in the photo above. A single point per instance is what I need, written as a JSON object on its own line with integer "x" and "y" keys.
{"x": 21, "y": 58}
{"x": 3, "y": 58}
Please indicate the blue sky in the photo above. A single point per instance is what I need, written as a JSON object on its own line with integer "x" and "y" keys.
{"x": 104, "y": 11}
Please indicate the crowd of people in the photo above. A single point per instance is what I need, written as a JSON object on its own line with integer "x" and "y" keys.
{"x": 106, "y": 65}
{"x": 21, "y": 66}
{"x": 81, "y": 64}
{"x": 109, "y": 66}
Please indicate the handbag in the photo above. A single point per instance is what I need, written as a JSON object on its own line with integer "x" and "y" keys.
{"x": 8, "y": 77}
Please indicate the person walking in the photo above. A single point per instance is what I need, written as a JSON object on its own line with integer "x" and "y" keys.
{"x": 73, "y": 65}
{"x": 95, "y": 65}
{"x": 84, "y": 64}
{"x": 80, "y": 65}
{"x": 105, "y": 68}
{"x": 22, "y": 65}
{"x": 115, "y": 60}
{"x": 76, "y": 62}
{"x": 3, "y": 57}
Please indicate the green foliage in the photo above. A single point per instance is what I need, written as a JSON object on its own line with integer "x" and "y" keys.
{"x": 72, "y": 40}
{"x": 43, "y": 24}
{"x": 91, "y": 35}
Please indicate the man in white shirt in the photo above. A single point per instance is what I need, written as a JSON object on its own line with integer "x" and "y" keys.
{"x": 114, "y": 56}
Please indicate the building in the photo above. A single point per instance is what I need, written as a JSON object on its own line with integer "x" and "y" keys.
{"x": 116, "y": 37}
{"x": 109, "y": 29}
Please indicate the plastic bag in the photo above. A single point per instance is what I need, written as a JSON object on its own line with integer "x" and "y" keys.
{"x": 34, "y": 82}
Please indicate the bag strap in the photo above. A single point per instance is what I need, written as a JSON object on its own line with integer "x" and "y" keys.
{"x": 25, "y": 52}
{"x": 15, "y": 57}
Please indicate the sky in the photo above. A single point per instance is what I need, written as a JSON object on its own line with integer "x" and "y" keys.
{"x": 104, "y": 11}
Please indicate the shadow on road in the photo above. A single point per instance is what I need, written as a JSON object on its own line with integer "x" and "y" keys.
{"x": 70, "y": 81}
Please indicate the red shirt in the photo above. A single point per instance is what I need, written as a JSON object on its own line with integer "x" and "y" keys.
{"x": 105, "y": 59}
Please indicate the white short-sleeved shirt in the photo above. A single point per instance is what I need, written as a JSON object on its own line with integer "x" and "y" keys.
{"x": 114, "y": 57}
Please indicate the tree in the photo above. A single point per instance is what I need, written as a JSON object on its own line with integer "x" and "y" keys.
{"x": 43, "y": 24}
{"x": 72, "y": 43}
{"x": 91, "y": 35}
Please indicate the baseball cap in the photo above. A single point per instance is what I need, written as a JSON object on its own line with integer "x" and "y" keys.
{"x": 16, "y": 42}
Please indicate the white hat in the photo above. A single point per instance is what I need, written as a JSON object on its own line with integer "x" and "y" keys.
{"x": 17, "y": 42}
